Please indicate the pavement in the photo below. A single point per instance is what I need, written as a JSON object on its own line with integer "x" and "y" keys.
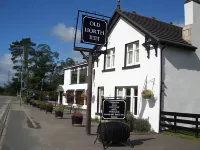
{"x": 53, "y": 133}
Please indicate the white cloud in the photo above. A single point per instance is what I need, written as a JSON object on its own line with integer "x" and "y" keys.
{"x": 179, "y": 23}
{"x": 6, "y": 66}
{"x": 65, "y": 33}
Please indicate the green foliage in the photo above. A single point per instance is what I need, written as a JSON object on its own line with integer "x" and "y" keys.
{"x": 60, "y": 108}
{"x": 49, "y": 105}
{"x": 41, "y": 68}
{"x": 147, "y": 94}
{"x": 42, "y": 105}
{"x": 141, "y": 125}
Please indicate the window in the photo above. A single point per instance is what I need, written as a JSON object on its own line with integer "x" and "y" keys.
{"x": 70, "y": 97}
{"x": 99, "y": 98}
{"x": 83, "y": 76}
{"x": 74, "y": 77}
{"x": 131, "y": 96}
{"x": 79, "y": 97}
{"x": 110, "y": 59}
{"x": 132, "y": 54}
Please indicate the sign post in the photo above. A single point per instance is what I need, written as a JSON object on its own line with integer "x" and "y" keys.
{"x": 93, "y": 32}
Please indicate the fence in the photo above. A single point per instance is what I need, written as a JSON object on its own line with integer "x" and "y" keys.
{"x": 189, "y": 119}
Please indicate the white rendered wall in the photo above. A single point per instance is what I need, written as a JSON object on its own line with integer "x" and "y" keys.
{"x": 122, "y": 34}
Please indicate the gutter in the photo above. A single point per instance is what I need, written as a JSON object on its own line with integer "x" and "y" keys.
{"x": 161, "y": 80}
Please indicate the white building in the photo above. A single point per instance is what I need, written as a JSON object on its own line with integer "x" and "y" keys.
{"x": 144, "y": 53}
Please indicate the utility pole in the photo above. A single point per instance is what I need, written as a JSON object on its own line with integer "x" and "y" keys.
{"x": 89, "y": 94}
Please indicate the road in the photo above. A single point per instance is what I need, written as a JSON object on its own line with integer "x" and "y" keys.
{"x": 17, "y": 133}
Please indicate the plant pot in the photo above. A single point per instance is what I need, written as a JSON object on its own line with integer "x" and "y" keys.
{"x": 49, "y": 110}
{"x": 59, "y": 114}
{"x": 77, "y": 120}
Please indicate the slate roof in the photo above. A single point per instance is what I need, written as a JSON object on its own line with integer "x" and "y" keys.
{"x": 160, "y": 31}
{"x": 164, "y": 33}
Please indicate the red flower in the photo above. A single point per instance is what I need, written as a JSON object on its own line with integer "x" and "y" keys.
{"x": 78, "y": 115}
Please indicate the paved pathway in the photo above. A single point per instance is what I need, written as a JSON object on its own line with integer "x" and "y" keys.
{"x": 59, "y": 134}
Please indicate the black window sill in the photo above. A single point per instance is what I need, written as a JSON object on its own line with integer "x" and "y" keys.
{"x": 131, "y": 67}
{"x": 98, "y": 114}
{"x": 108, "y": 70}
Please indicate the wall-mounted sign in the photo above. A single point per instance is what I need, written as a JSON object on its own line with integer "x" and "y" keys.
{"x": 93, "y": 30}
{"x": 114, "y": 109}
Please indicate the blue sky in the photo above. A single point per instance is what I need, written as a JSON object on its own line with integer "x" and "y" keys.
{"x": 48, "y": 21}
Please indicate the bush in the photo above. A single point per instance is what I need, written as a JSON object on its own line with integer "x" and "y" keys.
{"x": 42, "y": 105}
{"x": 49, "y": 105}
{"x": 60, "y": 108}
{"x": 141, "y": 125}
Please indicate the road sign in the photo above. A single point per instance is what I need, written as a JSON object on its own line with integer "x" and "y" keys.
{"x": 114, "y": 109}
{"x": 93, "y": 30}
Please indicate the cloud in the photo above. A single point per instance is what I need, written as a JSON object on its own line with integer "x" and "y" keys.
{"x": 6, "y": 66}
{"x": 179, "y": 23}
{"x": 65, "y": 33}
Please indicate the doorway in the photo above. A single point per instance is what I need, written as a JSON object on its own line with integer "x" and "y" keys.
{"x": 61, "y": 98}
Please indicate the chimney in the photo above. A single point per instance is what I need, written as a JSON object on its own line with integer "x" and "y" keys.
{"x": 187, "y": 33}
{"x": 192, "y": 20}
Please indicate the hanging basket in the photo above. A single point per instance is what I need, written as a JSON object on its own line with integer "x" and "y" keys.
{"x": 147, "y": 94}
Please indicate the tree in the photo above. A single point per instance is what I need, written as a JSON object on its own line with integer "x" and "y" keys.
{"x": 42, "y": 67}
{"x": 21, "y": 52}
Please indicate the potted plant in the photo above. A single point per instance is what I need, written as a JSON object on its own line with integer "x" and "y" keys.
{"x": 59, "y": 111}
{"x": 147, "y": 94}
{"x": 42, "y": 106}
{"x": 77, "y": 117}
{"x": 49, "y": 107}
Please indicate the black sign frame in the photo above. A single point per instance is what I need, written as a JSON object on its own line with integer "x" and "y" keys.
{"x": 85, "y": 35}
{"x": 113, "y": 100}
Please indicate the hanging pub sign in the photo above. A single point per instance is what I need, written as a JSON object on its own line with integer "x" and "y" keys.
{"x": 114, "y": 109}
{"x": 93, "y": 30}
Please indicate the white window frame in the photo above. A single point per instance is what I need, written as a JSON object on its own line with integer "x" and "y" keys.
{"x": 132, "y": 100}
{"x": 134, "y": 51}
{"x": 111, "y": 54}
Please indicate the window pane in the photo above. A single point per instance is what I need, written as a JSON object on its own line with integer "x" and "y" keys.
{"x": 130, "y": 47}
{"x": 137, "y": 56}
{"x": 137, "y": 45}
{"x": 120, "y": 92}
{"x": 113, "y": 60}
{"x": 70, "y": 97}
{"x": 128, "y": 92}
{"x": 83, "y": 75}
{"x": 135, "y": 91}
{"x": 108, "y": 61}
{"x": 113, "y": 51}
{"x": 74, "y": 77}
{"x": 135, "y": 108}
{"x": 130, "y": 57}
{"x": 128, "y": 103}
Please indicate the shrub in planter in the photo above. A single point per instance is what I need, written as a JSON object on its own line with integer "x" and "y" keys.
{"x": 147, "y": 94}
{"x": 141, "y": 125}
{"x": 59, "y": 111}
{"x": 42, "y": 105}
{"x": 49, "y": 107}
{"x": 31, "y": 102}
{"x": 77, "y": 117}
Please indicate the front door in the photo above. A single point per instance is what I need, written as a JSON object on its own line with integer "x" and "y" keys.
{"x": 61, "y": 97}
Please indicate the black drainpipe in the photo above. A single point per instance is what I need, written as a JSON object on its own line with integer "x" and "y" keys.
{"x": 161, "y": 80}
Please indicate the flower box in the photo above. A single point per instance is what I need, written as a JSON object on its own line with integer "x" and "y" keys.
{"x": 59, "y": 114}
{"x": 77, "y": 119}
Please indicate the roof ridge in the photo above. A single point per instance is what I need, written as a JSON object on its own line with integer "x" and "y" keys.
{"x": 153, "y": 19}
